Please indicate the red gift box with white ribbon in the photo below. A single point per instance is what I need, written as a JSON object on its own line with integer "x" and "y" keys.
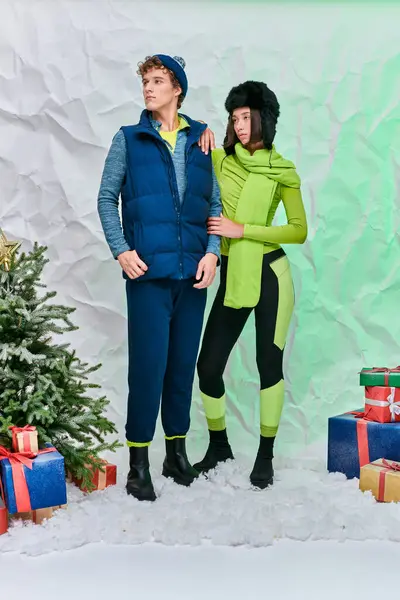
{"x": 382, "y": 404}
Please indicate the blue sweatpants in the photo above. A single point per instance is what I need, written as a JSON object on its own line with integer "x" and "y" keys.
{"x": 165, "y": 319}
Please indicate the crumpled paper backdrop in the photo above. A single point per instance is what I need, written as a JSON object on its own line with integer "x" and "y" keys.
{"x": 68, "y": 82}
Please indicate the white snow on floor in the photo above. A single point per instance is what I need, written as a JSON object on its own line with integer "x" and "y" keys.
{"x": 285, "y": 571}
{"x": 306, "y": 503}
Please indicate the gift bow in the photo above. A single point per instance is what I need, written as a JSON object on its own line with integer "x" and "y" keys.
{"x": 384, "y": 370}
{"x": 394, "y": 407}
{"x": 19, "y": 460}
{"x": 15, "y": 429}
{"x": 391, "y": 466}
{"x": 17, "y": 457}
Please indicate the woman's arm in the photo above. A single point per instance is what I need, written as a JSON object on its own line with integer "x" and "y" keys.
{"x": 295, "y": 232}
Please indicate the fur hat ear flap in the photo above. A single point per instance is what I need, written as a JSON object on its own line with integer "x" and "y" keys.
{"x": 268, "y": 126}
{"x": 229, "y": 144}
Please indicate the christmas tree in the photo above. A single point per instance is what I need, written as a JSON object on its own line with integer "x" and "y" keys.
{"x": 44, "y": 383}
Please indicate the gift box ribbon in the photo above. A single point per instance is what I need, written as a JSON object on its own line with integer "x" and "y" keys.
{"x": 387, "y": 372}
{"x": 394, "y": 407}
{"x": 362, "y": 441}
{"x": 102, "y": 477}
{"x": 19, "y": 460}
{"x": 386, "y": 467}
{"x": 362, "y": 437}
{"x": 107, "y": 476}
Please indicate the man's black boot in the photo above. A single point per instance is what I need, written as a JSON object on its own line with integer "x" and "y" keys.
{"x": 218, "y": 450}
{"x": 176, "y": 464}
{"x": 139, "y": 482}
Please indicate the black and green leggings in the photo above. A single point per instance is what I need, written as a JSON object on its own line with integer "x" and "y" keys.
{"x": 272, "y": 318}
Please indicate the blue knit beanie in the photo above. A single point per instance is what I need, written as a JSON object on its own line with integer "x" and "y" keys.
{"x": 177, "y": 65}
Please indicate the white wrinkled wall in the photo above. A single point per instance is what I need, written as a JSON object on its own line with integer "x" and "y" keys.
{"x": 68, "y": 82}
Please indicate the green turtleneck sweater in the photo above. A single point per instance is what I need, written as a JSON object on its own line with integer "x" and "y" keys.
{"x": 231, "y": 183}
{"x": 252, "y": 185}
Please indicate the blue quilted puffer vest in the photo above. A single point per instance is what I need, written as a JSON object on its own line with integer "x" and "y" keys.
{"x": 169, "y": 236}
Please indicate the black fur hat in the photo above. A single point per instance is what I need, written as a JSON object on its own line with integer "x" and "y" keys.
{"x": 257, "y": 95}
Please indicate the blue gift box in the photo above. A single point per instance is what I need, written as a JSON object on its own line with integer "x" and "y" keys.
{"x": 343, "y": 450}
{"x": 46, "y": 482}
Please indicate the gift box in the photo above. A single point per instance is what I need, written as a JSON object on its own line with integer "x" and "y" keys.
{"x": 32, "y": 482}
{"x": 381, "y": 376}
{"x": 3, "y": 515}
{"x": 100, "y": 479}
{"x": 37, "y": 516}
{"x": 382, "y": 404}
{"x": 354, "y": 442}
{"x": 382, "y": 478}
{"x": 25, "y": 439}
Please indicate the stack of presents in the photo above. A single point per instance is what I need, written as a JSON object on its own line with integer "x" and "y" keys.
{"x": 365, "y": 443}
{"x": 33, "y": 480}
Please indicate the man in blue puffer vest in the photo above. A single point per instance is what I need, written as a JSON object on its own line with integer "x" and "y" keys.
{"x": 168, "y": 191}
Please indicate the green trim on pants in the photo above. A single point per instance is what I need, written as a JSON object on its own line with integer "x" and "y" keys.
{"x": 214, "y": 409}
{"x": 137, "y": 444}
{"x": 271, "y": 404}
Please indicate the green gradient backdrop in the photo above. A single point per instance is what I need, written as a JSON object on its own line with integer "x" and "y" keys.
{"x": 337, "y": 74}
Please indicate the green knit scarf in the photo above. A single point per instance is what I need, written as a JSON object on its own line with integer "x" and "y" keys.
{"x": 265, "y": 168}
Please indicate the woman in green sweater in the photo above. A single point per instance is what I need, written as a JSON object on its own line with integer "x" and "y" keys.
{"x": 255, "y": 272}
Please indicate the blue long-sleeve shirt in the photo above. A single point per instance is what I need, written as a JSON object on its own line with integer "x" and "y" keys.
{"x": 111, "y": 184}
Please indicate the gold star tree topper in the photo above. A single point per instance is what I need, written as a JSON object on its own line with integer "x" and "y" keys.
{"x": 7, "y": 249}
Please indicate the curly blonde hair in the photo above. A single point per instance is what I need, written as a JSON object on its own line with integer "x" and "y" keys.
{"x": 153, "y": 62}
